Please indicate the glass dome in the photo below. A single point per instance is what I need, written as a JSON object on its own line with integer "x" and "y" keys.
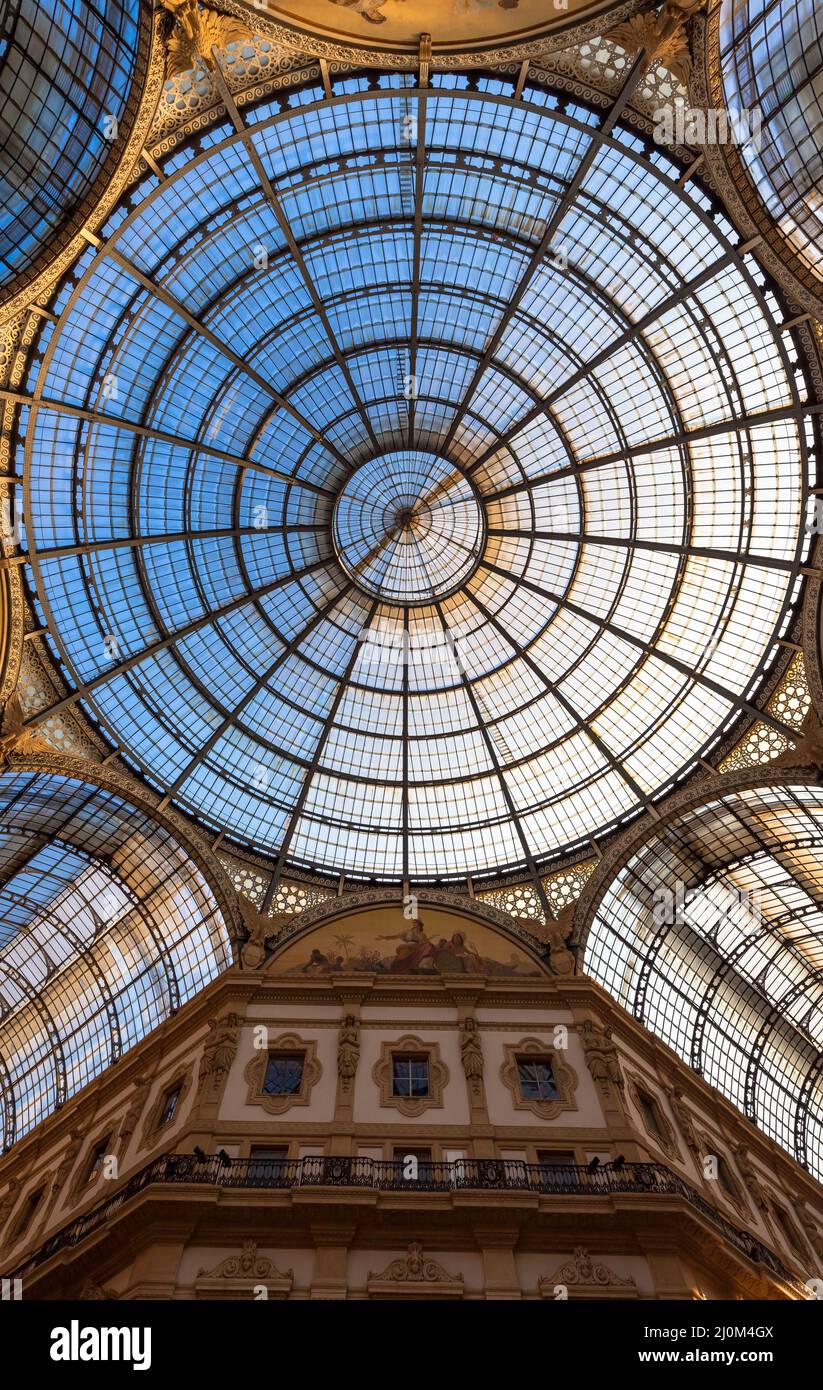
{"x": 415, "y": 482}
{"x": 712, "y": 936}
{"x": 771, "y": 57}
{"x": 66, "y": 70}
{"x": 106, "y": 928}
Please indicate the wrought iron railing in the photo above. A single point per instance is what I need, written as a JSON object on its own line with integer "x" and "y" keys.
{"x": 466, "y": 1174}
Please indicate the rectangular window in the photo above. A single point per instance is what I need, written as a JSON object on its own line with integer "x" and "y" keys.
{"x": 96, "y": 1158}
{"x": 169, "y": 1105}
{"x": 413, "y": 1163}
{"x": 267, "y": 1163}
{"x": 648, "y": 1109}
{"x": 410, "y": 1076}
{"x": 724, "y": 1177}
{"x": 556, "y": 1168}
{"x": 284, "y": 1074}
{"x": 536, "y": 1078}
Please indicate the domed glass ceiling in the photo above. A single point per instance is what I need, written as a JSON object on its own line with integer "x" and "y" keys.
{"x": 712, "y": 935}
{"x": 416, "y": 482}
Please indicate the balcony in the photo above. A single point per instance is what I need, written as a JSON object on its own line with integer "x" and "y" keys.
{"x": 462, "y": 1175}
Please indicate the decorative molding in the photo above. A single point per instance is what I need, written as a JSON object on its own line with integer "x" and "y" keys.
{"x": 661, "y": 36}
{"x": 664, "y": 1138}
{"x": 196, "y": 29}
{"x": 255, "y": 1073}
{"x": 218, "y": 1054}
{"x": 236, "y": 1276}
{"x": 391, "y": 896}
{"x": 348, "y": 1052}
{"x": 153, "y": 1131}
{"x": 588, "y": 1277}
{"x": 471, "y": 1055}
{"x": 565, "y": 1079}
{"x": 602, "y": 1056}
{"x": 415, "y": 1276}
{"x": 438, "y": 1075}
{"x": 684, "y": 1120}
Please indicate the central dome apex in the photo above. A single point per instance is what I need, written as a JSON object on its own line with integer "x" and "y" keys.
{"x": 408, "y": 527}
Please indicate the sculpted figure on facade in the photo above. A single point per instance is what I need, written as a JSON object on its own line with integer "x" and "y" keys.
{"x": 684, "y": 1119}
{"x": 601, "y": 1055}
{"x": 753, "y": 1184}
{"x": 219, "y": 1052}
{"x": 134, "y": 1111}
{"x": 471, "y": 1052}
{"x": 348, "y": 1051}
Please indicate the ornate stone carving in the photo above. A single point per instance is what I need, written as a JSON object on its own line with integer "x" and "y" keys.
{"x": 247, "y": 1265}
{"x": 811, "y": 1230}
{"x": 255, "y": 1073}
{"x": 754, "y": 1186}
{"x": 565, "y": 1079}
{"x": 13, "y": 737}
{"x": 587, "y": 1276}
{"x": 133, "y": 1113}
{"x": 348, "y": 1052}
{"x": 602, "y": 1058}
{"x": 153, "y": 1126}
{"x": 557, "y": 933}
{"x": 261, "y": 930}
{"x": 218, "y": 1054}
{"x": 471, "y": 1054}
{"x": 416, "y": 1276}
{"x": 96, "y": 1293}
{"x": 237, "y": 1276}
{"x": 67, "y": 1162}
{"x": 808, "y": 750}
{"x": 684, "y": 1120}
{"x": 197, "y": 28}
{"x": 662, "y": 36}
{"x": 438, "y": 1075}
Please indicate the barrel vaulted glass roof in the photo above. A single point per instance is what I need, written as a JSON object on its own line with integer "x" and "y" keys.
{"x": 416, "y": 482}
{"x": 712, "y": 935}
{"x": 106, "y": 928}
{"x": 771, "y": 55}
{"x": 66, "y": 70}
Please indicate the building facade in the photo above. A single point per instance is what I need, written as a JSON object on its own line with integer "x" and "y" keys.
{"x": 387, "y": 1107}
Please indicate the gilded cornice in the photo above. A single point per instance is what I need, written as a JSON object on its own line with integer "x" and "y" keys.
{"x": 372, "y": 56}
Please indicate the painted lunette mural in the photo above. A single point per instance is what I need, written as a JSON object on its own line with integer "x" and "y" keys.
{"x": 384, "y": 942}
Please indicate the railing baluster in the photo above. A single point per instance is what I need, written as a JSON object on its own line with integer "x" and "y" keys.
{"x": 567, "y": 1180}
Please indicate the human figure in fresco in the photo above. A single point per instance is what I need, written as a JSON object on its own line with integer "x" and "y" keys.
{"x": 415, "y": 948}
{"x": 459, "y": 946}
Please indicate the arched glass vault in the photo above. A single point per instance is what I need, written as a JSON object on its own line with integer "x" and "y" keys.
{"x": 106, "y": 927}
{"x": 711, "y": 934}
{"x": 416, "y": 479}
{"x": 67, "y": 68}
